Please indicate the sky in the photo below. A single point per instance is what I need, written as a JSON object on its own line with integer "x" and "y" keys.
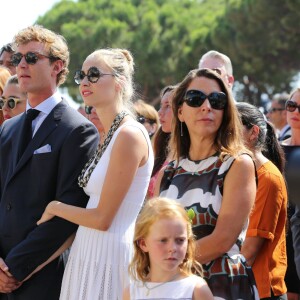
{"x": 18, "y": 14}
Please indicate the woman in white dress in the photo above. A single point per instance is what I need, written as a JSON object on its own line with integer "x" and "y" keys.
{"x": 116, "y": 179}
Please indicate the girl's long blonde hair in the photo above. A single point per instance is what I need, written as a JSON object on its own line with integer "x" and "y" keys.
{"x": 156, "y": 209}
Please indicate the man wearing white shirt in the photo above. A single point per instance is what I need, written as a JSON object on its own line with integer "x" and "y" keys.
{"x": 39, "y": 169}
{"x": 277, "y": 116}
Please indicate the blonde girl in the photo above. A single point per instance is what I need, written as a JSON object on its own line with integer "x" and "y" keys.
{"x": 164, "y": 255}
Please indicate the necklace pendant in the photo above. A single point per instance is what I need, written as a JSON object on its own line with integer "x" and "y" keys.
{"x": 148, "y": 292}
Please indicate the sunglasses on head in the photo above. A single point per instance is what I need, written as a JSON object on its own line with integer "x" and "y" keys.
{"x": 30, "y": 57}
{"x": 93, "y": 75}
{"x": 195, "y": 98}
{"x": 247, "y": 124}
{"x": 143, "y": 120}
{"x": 291, "y": 106}
{"x": 11, "y": 102}
{"x": 217, "y": 70}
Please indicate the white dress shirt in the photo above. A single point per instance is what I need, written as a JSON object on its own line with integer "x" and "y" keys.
{"x": 45, "y": 108}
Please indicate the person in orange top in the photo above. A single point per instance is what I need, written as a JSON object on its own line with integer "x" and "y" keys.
{"x": 265, "y": 245}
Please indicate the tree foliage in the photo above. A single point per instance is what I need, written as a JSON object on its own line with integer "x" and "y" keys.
{"x": 167, "y": 38}
{"x": 161, "y": 34}
{"x": 261, "y": 37}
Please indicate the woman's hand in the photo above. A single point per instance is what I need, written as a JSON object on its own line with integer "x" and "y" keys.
{"x": 48, "y": 213}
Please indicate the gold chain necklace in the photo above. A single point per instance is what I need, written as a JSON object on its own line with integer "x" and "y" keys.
{"x": 158, "y": 285}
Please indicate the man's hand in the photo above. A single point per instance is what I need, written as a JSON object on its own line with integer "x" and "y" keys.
{"x": 7, "y": 282}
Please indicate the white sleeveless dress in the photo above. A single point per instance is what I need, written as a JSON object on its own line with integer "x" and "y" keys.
{"x": 182, "y": 289}
{"x": 97, "y": 268}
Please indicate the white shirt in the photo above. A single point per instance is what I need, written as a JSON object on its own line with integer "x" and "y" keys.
{"x": 283, "y": 132}
{"x": 45, "y": 108}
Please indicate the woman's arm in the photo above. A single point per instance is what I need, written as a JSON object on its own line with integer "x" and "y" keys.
{"x": 158, "y": 181}
{"x": 251, "y": 248}
{"x": 268, "y": 214}
{"x": 129, "y": 152}
{"x": 238, "y": 198}
{"x": 202, "y": 291}
{"x": 57, "y": 253}
{"x": 126, "y": 294}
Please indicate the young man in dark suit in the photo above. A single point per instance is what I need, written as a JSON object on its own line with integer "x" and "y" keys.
{"x": 39, "y": 169}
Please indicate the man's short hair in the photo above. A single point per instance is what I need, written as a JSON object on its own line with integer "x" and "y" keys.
{"x": 7, "y": 48}
{"x": 218, "y": 55}
{"x": 55, "y": 44}
{"x": 281, "y": 98}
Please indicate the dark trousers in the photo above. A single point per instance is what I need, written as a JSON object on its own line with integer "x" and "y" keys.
{"x": 281, "y": 297}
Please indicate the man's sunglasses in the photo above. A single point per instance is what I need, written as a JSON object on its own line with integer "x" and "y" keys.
{"x": 143, "y": 120}
{"x": 291, "y": 106}
{"x": 30, "y": 57}
{"x": 274, "y": 109}
{"x": 195, "y": 98}
{"x": 93, "y": 75}
{"x": 10, "y": 102}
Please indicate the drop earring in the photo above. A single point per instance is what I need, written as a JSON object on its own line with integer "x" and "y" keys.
{"x": 181, "y": 129}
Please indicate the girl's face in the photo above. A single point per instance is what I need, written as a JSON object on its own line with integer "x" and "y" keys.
{"x": 103, "y": 92}
{"x": 166, "y": 245}
{"x": 293, "y": 118}
{"x": 203, "y": 120}
{"x": 12, "y": 91}
{"x": 165, "y": 112}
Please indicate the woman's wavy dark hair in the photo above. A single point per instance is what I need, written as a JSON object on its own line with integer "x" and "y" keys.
{"x": 267, "y": 141}
{"x": 228, "y": 140}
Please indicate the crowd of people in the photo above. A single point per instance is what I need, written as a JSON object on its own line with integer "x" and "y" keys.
{"x": 198, "y": 200}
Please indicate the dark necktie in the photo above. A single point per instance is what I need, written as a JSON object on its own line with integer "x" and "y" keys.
{"x": 26, "y": 136}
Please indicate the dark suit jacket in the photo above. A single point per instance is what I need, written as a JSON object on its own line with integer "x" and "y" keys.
{"x": 295, "y": 224}
{"x": 29, "y": 185}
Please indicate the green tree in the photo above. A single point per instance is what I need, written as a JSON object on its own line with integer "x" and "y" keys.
{"x": 165, "y": 36}
{"x": 261, "y": 37}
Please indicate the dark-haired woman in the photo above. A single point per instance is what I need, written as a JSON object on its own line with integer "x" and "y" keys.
{"x": 291, "y": 147}
{"x": 264, "y": 246}
{"x": 162, "y": 136}
{"x": 213, "y": 177}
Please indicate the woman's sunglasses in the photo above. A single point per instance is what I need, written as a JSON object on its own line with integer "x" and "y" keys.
{"x": 10, "y": 102}
{"x": 291, "y": 106}
{"x": 195, "y": 98}
{"x": 93, "y": 75}
{"x": 30, "y": 57}
{"x": 143, "y": 120}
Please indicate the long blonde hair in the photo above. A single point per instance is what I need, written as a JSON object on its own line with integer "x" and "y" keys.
{"x": 156, "y": 209}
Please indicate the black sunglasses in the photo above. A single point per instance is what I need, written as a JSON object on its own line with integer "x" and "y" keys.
{"x": 143, "y": 120}
{"x": 291, "y": 106}
{"x": 273, "y": 109}
{"x": 11, "y": 102}
{"x": 195, "y": 98}
{"x": 93, "y": 75}
{"x": 247, "y": 124}
{"x": 30, "y": 57}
